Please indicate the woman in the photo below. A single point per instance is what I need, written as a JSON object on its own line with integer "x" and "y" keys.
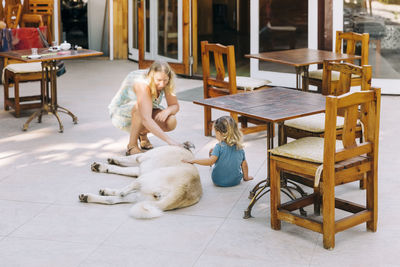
{"x": 136, "y": 107}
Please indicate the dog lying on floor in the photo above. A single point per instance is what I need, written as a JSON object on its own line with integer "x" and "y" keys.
{"x": 163, "y": 181}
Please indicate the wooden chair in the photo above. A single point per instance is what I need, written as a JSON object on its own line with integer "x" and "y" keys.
{"x": 13, "y": 15}
{"x": 350, "y": 41}
{"x": 31, "y": 20}
{"x": 43, "y": 8}
{"x": 314, "y": 125}
{"x": 340, "y": 161}
{"x": 17, "y": 73}
{"x": 221, "y": 85}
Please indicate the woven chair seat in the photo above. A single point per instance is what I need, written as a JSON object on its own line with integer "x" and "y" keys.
{"x": 309, "y": 149}
{"x": 248, "y": 84}
{"x": 313, "y": 123}
{"x": 25, "y": 67}
{"x": 317, "y": 74}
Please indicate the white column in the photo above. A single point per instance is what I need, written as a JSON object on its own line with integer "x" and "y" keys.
{"x": 55, "y": 22}
{"x": 313, "y": 24}
{"x": 254, "y": 35}
{"x": 337, "y": 19}
{"x": 111, "y": 36}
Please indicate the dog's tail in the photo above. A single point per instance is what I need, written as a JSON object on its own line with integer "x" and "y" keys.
{"x": 145, "y": 210}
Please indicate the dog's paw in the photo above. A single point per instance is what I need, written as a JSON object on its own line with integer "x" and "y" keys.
{"x": 83, "y": 198}
{"x": 108, "y": 192}
{"x": 98, "y": 167}
{"x": 95, "y": 167}
{"x": 123, "y": 193}
{"x": 112, "y": 161}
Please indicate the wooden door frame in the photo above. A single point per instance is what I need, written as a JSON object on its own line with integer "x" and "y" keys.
{"x": 179, "y": 68}
{"x": 325, "y": 26}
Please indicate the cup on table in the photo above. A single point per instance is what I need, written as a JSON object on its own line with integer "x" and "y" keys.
{"x": 54, "y": 44}
{"x": 34, "y": 51}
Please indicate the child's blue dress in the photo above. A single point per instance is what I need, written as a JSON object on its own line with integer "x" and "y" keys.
{"x": 227, "y": 170}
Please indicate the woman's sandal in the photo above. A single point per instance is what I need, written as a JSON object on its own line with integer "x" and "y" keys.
{"x": 133, "y": 150}
{"x": 144, "y": 142}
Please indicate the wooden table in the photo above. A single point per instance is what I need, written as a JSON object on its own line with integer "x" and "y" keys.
{"x": 301, "y": 59}
{"x": 273, "y": 105}
{"x": 49, "y": 78}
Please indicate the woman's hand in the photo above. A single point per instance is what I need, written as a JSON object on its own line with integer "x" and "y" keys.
{"x": 163, "y": 115}
{"x": 172, "y": 142}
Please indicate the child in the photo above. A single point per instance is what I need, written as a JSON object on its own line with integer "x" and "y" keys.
{"x": 228, "y": 155}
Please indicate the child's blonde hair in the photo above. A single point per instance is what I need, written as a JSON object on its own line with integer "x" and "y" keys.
{"x": 160, "y": 66}
{"x": 229, "y": 130}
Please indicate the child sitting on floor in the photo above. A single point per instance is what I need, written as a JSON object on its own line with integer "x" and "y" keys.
{"x": 228, "y": 155}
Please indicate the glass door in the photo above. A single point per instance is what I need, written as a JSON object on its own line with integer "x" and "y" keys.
{"x": 280, "y": 25}
{"x": 160, "y": 31}
{"x": 133, "y": 49}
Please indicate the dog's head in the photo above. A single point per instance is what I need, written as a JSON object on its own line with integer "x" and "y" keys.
{"x": 188, "y": 145}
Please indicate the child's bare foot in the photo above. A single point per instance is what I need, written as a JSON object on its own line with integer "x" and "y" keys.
{"x": 248, "y": 178}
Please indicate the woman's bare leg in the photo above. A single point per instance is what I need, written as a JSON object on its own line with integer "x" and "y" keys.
{"x": 166, "y": 126}
{"x": 169, "y": 124}
{"x": 136, "y": 128}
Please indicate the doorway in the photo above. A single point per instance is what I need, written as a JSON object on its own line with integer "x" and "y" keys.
{"x": 159, "y": 30}
{"x": 227, "y": 23}
{"x": 74, "y": 17}
{"x": 281, "y": 25}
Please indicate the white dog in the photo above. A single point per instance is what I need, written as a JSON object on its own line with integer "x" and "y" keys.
{"x": 163, "y": 181}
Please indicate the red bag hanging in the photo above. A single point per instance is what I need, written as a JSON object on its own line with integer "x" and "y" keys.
{"x": 28, "y": 37}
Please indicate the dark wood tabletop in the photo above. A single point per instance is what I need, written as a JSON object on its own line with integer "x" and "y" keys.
{"x": 47, "y": 55}
{"x": 275, "y": 104}
{"x": 301, "y": 57}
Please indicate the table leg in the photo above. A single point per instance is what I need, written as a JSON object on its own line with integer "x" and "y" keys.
{"x": 298, "y": 77}
{"x": 263, "y": 187}
{"x": 299, "y": 71}
{"x": 305, "y": 84}
{"x": 50, "y": 106}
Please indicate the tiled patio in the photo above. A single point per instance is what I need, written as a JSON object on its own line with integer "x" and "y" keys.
{"x": 42, "y": 172}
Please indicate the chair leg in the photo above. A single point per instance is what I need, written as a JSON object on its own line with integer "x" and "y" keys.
{"x": 275, "y": 195}
{"x": 16, "y": 98}
{"x": 317, "y": 202}
{"x": 207, "y": 120}
{"x": 372, "y": 200}
{"x": 6, "y": 91}
{"x": 328, "y": 212}
{"x": 42, "y": 92}
{"x": 235, "y": 116}
{"x": 282, "y": 135}
{"x": 243, "y": 122}
{"x": 363, "y": 183}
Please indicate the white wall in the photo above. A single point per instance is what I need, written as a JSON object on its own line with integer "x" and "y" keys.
{"x": 95, "y": 25}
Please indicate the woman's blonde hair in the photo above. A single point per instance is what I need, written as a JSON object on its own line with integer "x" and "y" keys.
{"x": 160, "y": 66}
{"x": 229, "y": 130}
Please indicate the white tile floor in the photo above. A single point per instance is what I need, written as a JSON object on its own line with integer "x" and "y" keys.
{"x": 42, "y": 223}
